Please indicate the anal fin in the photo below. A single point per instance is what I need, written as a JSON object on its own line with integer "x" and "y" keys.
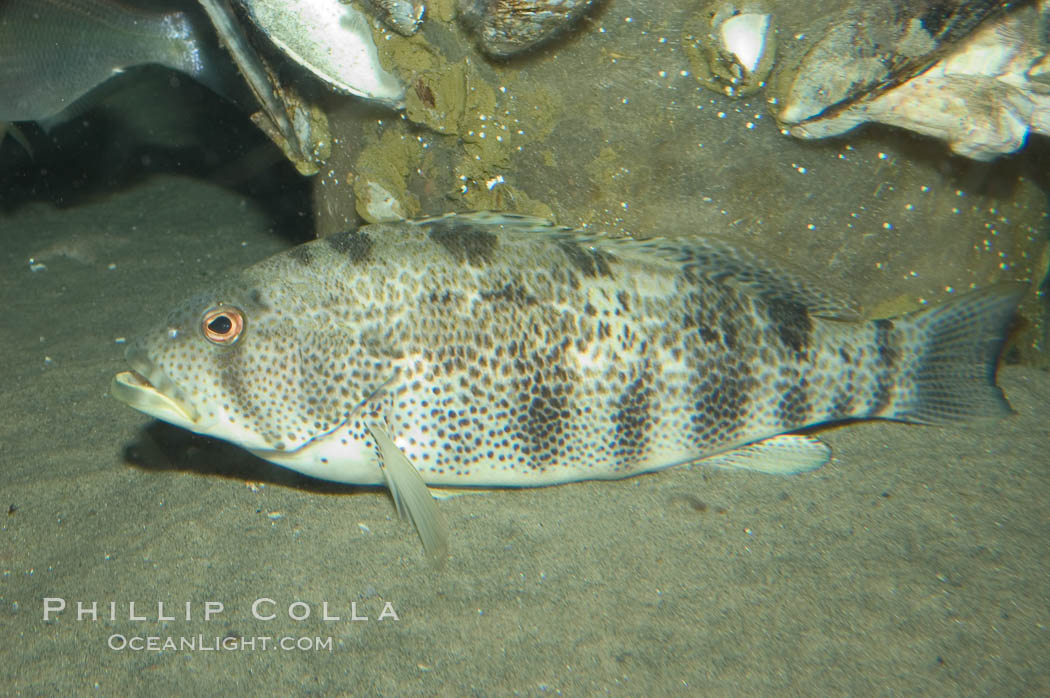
{"x": 411, "y": 496}
{"x": 786, "y": 454}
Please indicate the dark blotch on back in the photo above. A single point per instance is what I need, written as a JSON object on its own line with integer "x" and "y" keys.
{"x": 590, "y": 262}
{"x": 791, "y": 321}
{"x": 354, "y": 244}
{"x": 465, "y": 242}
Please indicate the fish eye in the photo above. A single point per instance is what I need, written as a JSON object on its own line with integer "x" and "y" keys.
{"x": 222, "y": 325}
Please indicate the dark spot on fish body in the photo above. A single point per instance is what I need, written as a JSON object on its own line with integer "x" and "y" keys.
{"x": 545, "y": 422}
{"x": 729, "y": 334}
{"x": 465, "y": 242}
{"x": 690, "y": 274}
{"x": 886, "y": 352}
{"x": 707, "y": 334}
{"x": 886, "y": 356}
{"x": 354, "y": 244}
{"x": 882, "y": 394}
{"x": 624, "y": 300}
{"x": 791, "y": 321}
{"x": 238, "y": 389}
{"x": 441, "y": 298}
{"x": 720, "y": 402}
{"x": 590, "y": 263}
{"x": 845, "y": 356}
{"x": 634, "y": 420}
{"x": 257, "y": 299}
{"x": 793, "y": 409}
{"x": 842, "y": 402}
{"x": 513, "y": 293}
{"x": 541, "y": 415}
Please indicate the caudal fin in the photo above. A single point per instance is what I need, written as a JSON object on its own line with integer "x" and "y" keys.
{"x": 954, "y": 378}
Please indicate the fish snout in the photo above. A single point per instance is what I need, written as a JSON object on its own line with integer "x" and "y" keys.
{"x": 149, "y": 389}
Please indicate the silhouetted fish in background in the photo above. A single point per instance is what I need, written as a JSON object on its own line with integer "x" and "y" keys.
{"x": 53, "y": 52}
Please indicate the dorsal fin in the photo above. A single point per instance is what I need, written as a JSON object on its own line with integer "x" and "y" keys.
{"x": 506, "y": 222}
{"x": 706, "y": 257}
{"x": 723, "y": 262}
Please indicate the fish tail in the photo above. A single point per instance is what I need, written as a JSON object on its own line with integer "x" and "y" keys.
{"x": 952, "y": 378}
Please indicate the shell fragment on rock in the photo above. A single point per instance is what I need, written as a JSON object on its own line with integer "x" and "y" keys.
{"x": 983, "y": 95}
{"x": 732, "y": 46}
{"x": 870, "y": 48}
{"x": 403, "y": 16}
{"x": 505, "y": 28}
{"x": 376, "y": 203}
{"x": 330, "y": 39}
{"x": 278, "y": 117}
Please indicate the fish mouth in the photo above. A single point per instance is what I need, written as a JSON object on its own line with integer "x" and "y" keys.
{"x": 148, "y": 389}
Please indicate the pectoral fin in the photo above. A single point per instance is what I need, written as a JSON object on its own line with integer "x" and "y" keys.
{"x": 411, "y": 496}
{"x": 787, "y": 454}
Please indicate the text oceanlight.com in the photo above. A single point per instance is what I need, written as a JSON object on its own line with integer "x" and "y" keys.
{"x": 229, "y": 643}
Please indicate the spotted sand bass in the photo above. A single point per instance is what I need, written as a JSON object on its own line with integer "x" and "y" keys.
{"x": 498, "y": 350}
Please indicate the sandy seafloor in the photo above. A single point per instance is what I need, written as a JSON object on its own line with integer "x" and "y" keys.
{"x": 915, "y": 563}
